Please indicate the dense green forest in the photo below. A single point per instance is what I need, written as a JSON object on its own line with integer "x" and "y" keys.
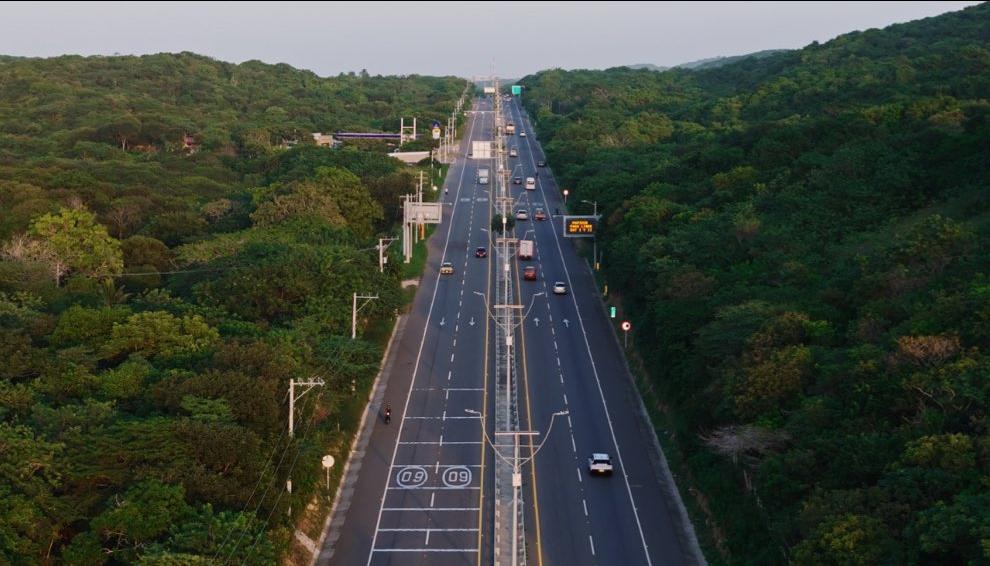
{"x": 166, "y": 266}
{"x": 802, "y": 242}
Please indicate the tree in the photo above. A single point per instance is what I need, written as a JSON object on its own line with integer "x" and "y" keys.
{"x": 72, "y": 241}
{"x": 158, "y": 333}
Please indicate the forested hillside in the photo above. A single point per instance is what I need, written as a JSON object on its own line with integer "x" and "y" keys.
{"x": 802, "y": 242}
{"x": 165, "y": 269}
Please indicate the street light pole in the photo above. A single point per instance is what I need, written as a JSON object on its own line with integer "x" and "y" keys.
{"x": 594, "y": 239}
{"x": 517, "y": 463}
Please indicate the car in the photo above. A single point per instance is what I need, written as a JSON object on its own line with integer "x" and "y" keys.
{"x": 521, "y": 214}
{"x": 446, "y": 268}
{"x": 540, "y": 214}
{"x": 600, "y": 464}
{"x": 481, "y": 252}
{"x": 541, "y": 163}
{"x": 513, "y": 152}
{"x": 559, "y": 288}
{"x": 530, "y": 183}
{"x": 517, "y": 181}
{"x": 529, "y": 273}
{"x": 522, "y": 134}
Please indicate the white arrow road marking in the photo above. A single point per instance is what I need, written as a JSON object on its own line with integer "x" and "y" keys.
{"x": 537, "y": 321}
{"x": 567, "y": 323}
{"x": 443, "y": 321}
{"x": 471, "y": 322}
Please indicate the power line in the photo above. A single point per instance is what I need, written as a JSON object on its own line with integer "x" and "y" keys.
{"x": 257, "y": 483}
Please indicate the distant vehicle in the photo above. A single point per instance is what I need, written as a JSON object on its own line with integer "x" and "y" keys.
{"x": 513, "y": 152}
{"x": 521, "y": 214}
{"x": 540, "y": 214}
{"x": 510, "y": 129}
{"x": 530, "y": 183}
{"x": 517, "y": 181}
{"x": 522, "y": 134}
{"x": 481, "y": 252}
{"x": 446, "y": 268}
{"x": 525, "y": 249}
{"x": 541, "y": 163}
{"x": 559, "y": 288}
{"x": 600, "y": 464}
{"x": 482, "y": 176}
{"x": 529, "y": 273}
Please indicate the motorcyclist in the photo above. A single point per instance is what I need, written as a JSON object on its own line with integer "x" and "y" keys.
{"x": 388, "y": 413}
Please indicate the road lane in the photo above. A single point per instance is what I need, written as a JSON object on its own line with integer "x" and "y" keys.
{"x": 417, "y": 498}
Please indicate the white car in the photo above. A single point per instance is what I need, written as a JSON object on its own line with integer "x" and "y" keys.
{"x": 521, "y": 214}
{"x": 530, "y": 183}
{"x": 600, "y": 464}
{"x": 522, "y": 134}
{"x": 559, "y": 288}
{"x": 513, "y": 152}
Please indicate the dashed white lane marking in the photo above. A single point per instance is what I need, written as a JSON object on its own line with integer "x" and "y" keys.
{"x": 592, "y": 542}
{"x": 573, "y": 445}
{"x": 449, "y": 372}
{"x": 565, "y": 398}
{"x": 451, "y": 357}
{"x": 585, "y": 503}
{"x": 427, "y": 537}
{"x": 433, "y": 496}
{"x": 580, "y": 477}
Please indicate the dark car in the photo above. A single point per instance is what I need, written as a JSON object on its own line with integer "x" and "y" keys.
{"x": 541, "y": 163}
{"x": 540, "y": 214}
{"x": 529, "y": 273}
{"x": 481, "y": 252}
{"x": 517, "y": 181}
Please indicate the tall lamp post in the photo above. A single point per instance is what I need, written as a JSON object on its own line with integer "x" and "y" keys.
{"x": 516, "y": 463}
{"x": 594, "y": 240}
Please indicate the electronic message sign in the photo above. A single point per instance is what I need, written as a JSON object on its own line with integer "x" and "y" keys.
{"x": 580, "y": 226}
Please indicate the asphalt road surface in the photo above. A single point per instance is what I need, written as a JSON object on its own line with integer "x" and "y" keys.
{"x": 424, "y": 492}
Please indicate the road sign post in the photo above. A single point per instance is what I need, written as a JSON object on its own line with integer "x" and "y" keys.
{"x": 626, "y": 327}
{"x": 328, "y": 462}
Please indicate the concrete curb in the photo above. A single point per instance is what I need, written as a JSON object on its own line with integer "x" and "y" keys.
{"x": 686, "y": 534}
{"x": 345, "y": 489}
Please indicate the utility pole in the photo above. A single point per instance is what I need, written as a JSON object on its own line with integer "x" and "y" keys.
{"x": 308, "y": 384}
{"x": 355, "y": 308}
{"x": 383, "y": 244}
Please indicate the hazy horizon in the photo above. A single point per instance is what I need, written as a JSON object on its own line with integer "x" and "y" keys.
{"x": 436, "y": 38}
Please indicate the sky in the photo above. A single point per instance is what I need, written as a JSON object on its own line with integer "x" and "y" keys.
{"x": 441, "y": 38}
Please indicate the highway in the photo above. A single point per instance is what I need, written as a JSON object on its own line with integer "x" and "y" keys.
{"x": 423, "y": 493}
